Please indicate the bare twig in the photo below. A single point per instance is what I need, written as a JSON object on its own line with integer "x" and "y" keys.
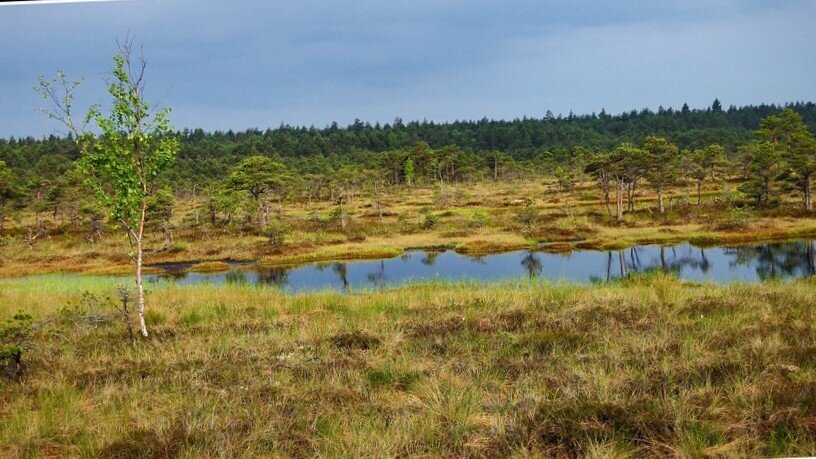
{"x": 124, "y": 295}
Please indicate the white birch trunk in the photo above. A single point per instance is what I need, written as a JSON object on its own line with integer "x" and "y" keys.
{"x": 140, "y": 298}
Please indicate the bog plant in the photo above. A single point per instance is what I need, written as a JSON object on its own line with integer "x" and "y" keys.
{"x": 478, "y": 220}
{"x": 429, "y": 221}
{"x": 528, "y": 214}
{"x": 276, "y": 232}
{"x": 736, "y": 218}
{"x": 13, "y": 338}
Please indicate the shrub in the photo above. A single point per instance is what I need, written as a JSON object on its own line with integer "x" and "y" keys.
{"x": 736, "y": 218}
{"x": 565, "y": 179}
{"x": 276, "y": 232}
{"x": 88, "y": 311}
{"x": 406, "y": 225}
{"x": 173, "y": 247}
{"x": 191, "y": 318}
{"x": 336, "y": 217}
{"x": 529, "y": 214}
{"x": 356, "y": 235}
{"x": 478, "y": 220}
{"x": 155, "y": 318}
{"x": 429, "y": 221}
{"x": 443, "y": 198}
{"x": 315, "y": 223}
{"x": 13, "y": 336}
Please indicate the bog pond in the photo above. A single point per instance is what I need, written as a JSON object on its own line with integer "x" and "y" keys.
{"x": 747, "y": 264}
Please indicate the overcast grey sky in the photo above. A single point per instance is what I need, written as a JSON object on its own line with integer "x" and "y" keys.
{"x": 226, "y": 64}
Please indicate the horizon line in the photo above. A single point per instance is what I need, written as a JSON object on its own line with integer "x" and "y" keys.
{"x": 462, "y": 120}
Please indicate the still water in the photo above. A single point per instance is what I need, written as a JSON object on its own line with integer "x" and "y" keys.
{"x": 787, "y": 260}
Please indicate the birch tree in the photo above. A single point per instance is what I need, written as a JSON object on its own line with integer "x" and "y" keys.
{"x": 122, "y": 163}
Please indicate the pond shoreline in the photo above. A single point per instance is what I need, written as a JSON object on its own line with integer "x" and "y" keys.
{"x": 743, "y": 263}
{"x": 731, "y": 239}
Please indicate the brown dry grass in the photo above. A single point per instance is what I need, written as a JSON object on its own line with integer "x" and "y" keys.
{"x": 648, "y": 367}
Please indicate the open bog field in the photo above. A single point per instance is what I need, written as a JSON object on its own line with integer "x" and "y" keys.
{"x": 645, "y": 366}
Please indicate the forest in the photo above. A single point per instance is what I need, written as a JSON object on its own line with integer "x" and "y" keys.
{"x": 39, "y": 175}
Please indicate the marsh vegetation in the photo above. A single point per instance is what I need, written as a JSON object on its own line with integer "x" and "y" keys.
{"x": 643, "y": 363}
{"x": 647, "y": 366}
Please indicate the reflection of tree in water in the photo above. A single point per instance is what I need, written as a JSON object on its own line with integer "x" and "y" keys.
{"x": 321, "y": 266}
{"x": 477, "y": 259}
{"x": 623, "y": 266}
{"x": 174, "y": 271}
{"x": 622, "y": 263}
{"x": 341, "y": 269}
{"x": 609, "y": 263}
{"x": 705, "y": 265}
{"x": 667, "y": 260}
{"x": 609, "y": 266}
{"x": 377, "y": 278}
{"x": 532, "y": 265}
{"x": 273, "y": 276}
{"x": 173, "y": 275}
{"x": 790, "y": 259}
{"x": 235, "y": 277}
{"x": 430, "y": 258}
{"x": 786, "y": 259}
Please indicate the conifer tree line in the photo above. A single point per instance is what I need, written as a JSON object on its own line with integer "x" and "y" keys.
{"x": 768, "y": 148}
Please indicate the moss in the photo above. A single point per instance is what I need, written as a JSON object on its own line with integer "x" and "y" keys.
{"x": 557, "y": 247}
{"x": 120, "y": 270}
{"x": 612, "y": 245}
{"x": 210, "y": 267}
{"x": 481, "y": 247}
{"x": 349, "y": 253}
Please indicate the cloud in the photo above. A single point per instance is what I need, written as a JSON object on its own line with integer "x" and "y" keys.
{"x": 224, "y": 64}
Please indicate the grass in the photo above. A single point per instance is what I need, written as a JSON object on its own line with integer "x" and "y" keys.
{"x": 485, "y": 217}
{"x": 647, "y": 367}
{"x": 332, "y": 253}
{"x": 210, "y": 267}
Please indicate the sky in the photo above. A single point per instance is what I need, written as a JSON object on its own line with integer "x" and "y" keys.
{"x": 226, "y": 64}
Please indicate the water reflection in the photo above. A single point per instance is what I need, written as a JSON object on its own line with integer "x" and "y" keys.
{"x": 783, "y": 261}
{"x": 430, "y": 258}
{"x": 272, "y": 276}
{"x": 532, "y": 265}
{"x": 377, "y": 278}
{"x": 236, "y": 277}
{"x": 342, "y": 271}
{"x": 721, "y": 265}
